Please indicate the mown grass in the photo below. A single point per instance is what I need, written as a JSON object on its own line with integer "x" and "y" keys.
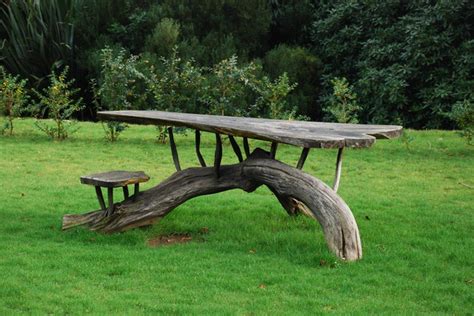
{"x": 414, "y": 209}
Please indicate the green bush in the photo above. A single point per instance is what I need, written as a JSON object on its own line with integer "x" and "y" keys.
{"x": 218, "y": 29}
{"x": 119, "y": 87}
{"x": 409, "y": 61}
{"x": 229, "y": 87}
{"x": 302, "y": 67}
{"x": 341, "y": 105}
{"x": 38, "y": 35}
{"x": 291, "y": 21}
{"x": 164, "y": 38}
{"x": 463, "y": 115}
{"x": 13, "y": 98}
{"x": 57, "y": 102}
{"x": 176, "y": 85}
{"x": 272, "y": 96}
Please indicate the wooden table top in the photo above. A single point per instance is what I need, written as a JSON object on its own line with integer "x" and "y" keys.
{"x": 299, "y": 133}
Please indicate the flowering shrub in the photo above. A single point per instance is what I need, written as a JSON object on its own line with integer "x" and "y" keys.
{"x": 118, "y": 86}
{"x": 57, "y": 102}
{"x": 13, "y": 98}
{"x": 342, "y": 105}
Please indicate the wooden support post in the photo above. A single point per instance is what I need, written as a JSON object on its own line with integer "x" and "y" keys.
{"x": 174, "y": 152}
{"x": 337, "y": 177}
{"x": 236, "y": 148}
{"x": 198, "y": 148}
{"x": 303, "y": 156}
{"x": 136, "y": 189}
{"x": 218, "y": 155}
{"x": 273, "y": 150}
{"x": 125, "y": 192}
{"x": 246, "y": 147}
{"x": 100, "y": 197}
{"x": 110, "y": 196}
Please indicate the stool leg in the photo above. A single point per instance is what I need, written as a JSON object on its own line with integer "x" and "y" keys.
{"x": 136, "y": 189}
{"x": 125, "y": 192}
{"x": 110, "y": 193}
{"x": 100, "y": 197}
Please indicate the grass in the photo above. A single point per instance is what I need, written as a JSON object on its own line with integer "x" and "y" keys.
{"x": 414, "y": 209}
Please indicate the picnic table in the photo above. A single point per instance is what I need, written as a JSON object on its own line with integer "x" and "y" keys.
{"x": 297, "y": 191}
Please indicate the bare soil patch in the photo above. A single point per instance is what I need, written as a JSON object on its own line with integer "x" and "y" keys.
{"x": 163, "y": 240}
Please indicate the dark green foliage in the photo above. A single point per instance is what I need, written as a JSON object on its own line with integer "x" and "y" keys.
{"x": 226, "y": 88}
{"x": 176, "y": 85}
{"x": 217, "y": 29}
{"x": 13, "y": 99}
{"x": 291, "y": 21}
{"x": 341, "y": 106}
{"x": 409, "y": 61}
{"x": 163, "y": 38}
{"x": 57, "y": 102}
{"x": 302, "y": 67}
{"x": 463, "y": 115}
{"x": 121, "y": 86}
{"x": 37, "y": 34}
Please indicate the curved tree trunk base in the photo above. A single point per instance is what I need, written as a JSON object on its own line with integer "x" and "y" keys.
{"x": 296, "y": 191}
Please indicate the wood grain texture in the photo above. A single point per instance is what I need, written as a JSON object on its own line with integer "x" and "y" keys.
{"x": 298, "y": 133}
{"x": 288, "y": 183}
{"x": 114, "y": 179}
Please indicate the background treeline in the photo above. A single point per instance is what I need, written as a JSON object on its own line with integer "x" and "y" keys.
{"x": 406, "y": 62}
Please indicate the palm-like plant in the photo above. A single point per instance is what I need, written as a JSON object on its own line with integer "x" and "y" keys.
{"x": 37, "y": 35}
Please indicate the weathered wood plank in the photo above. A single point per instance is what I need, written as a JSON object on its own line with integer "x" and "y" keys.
{"x": 298, "y": 133}
{"x": 118, "y": 178}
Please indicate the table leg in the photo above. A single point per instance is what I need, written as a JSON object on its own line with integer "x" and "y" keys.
{"x": 125, "y": 192}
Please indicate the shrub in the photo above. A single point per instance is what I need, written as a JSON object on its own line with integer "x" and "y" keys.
{"x": 302, "y": 67}
{"x": 225, "y": 89}
{"x": 13, "y": 98}
{"x": 229, "y": 87}
{"x": 164, "y": 38}
{"x": 37, "y": 34}
{"x": 220, "y": 26}
{"x": 117, "y": 87}
{"x": 409, "y": 61}
{"x": 57, "y": 102}
{"x": 463, "y": 115}
{"x": 272, "y": 96}
{"x": 342, "y": 105}
{"x": 176, "y": 85}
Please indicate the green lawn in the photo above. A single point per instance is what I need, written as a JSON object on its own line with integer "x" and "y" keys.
{"x": 415, "y": 210}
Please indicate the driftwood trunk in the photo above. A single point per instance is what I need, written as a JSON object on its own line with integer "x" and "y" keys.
{"x": 296, "y": 191}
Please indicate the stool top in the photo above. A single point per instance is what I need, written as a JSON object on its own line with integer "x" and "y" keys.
{"x": 113, "y": 179}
